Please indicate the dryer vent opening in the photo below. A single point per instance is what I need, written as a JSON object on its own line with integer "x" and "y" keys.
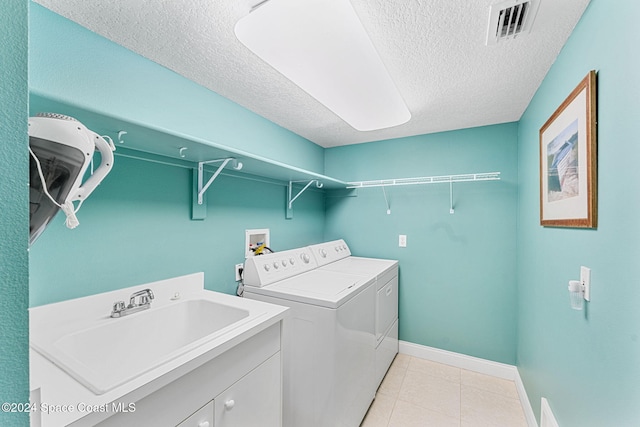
{"x": 508, "y": 20}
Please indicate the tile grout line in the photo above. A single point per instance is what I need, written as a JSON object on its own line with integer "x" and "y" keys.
{"x": 460, "y": 390}
{"x": 492, "y": 392}
{"x": 441, "y": 378}
{"x": 395, "y": 400}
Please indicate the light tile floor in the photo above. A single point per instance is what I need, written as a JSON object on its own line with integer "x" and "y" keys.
{"x": 418, "y": 392}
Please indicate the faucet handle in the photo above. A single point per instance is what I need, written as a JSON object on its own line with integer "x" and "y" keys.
{"x": 118, "y": 307}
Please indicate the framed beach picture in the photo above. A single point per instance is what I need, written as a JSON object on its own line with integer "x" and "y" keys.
{"x": 568, "y": 175}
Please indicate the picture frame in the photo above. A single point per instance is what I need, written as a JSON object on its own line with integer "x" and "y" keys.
{"x": 568, "y": 161}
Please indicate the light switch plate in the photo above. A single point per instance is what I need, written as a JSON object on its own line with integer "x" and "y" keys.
{"x": 402, "y": 240}
{"x": 585, "y": 279}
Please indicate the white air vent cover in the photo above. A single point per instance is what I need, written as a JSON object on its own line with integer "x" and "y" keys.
{"x": 510, "y": 19}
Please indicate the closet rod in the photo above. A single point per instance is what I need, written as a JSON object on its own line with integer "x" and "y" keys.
{"x": 485, "y": 176}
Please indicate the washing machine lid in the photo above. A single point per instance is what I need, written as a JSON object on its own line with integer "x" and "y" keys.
{"x": 324, "y": 288}
{"x": 361, "y": 266}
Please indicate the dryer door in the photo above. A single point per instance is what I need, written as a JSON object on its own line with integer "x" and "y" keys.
{"x": 386, "y": 307}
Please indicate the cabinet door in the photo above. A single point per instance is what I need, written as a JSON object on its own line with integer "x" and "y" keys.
{"x": 255, "y": 400}
{"x": 203, "y": 417}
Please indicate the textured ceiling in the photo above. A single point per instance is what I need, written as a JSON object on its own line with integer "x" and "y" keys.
{"x": 434, "y": 50}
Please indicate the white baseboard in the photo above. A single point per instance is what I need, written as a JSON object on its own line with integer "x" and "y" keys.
{"x": 475, "y": 364}
{"x": 526, "y": 405}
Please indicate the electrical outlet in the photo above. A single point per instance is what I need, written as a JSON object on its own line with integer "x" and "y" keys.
{"x": 238, "y": 268}
{"x": 402, "y": 240}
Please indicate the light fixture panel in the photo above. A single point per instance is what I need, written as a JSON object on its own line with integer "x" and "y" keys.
{"x": 321, "y": 46}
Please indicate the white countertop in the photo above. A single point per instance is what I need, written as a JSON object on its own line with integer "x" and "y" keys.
{"x": 68, "y": 401}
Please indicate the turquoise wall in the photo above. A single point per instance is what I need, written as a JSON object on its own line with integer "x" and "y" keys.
{"x": 14, "y": 220}
{"x": 136, "y": 226}
{"x": 458, "y": 272}
{"x": 586, "y": 363}
{"x": 72, "y": 65}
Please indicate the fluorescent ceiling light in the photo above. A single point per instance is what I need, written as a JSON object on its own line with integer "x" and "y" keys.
{"x": 322, "y": 47}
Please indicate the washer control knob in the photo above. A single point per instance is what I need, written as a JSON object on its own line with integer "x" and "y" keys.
{"x": 284, "y": 262}
{"x": 337, "y": 248}
{"x": 266, "y": 267}
{"x": 292, "y": 260}
{"x": 229, "y": 404}
{"x": 323, "y": 253}
{"x": 276, "y": 265}
{"x": 304, "y": 257}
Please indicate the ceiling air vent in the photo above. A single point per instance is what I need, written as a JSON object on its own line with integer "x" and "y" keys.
{"x": 510, "y": 19}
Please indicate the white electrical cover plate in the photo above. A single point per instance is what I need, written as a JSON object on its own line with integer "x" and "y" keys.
{"x": 585, "y": 278}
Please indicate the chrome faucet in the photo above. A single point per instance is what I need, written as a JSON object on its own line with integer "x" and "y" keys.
{"x": 144, "y": 303}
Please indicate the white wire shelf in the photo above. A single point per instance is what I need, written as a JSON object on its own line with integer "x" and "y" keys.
{"x": 443, "y": 179}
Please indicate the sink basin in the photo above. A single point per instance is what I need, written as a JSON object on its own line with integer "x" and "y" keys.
{"x": 114, "y": 351}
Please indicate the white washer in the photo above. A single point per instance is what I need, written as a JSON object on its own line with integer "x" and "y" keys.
{"x": 336, "y": 256}
{"x": 328, "y": 340}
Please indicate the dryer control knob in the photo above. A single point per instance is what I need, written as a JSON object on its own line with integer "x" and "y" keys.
{"x": 292, "y": 261}
{"x": 266, "y": 267}
{"x": 276, "y": 265}
{"x": 284, "y": 262}
{"x": 305, "y": 258}
{"x": 323, "y": 253}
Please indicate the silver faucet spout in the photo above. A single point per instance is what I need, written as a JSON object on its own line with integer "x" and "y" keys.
{"x": 145, "y": 297}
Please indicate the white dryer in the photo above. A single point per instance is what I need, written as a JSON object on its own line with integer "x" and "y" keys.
{"x": 336, "y": 256}
{"x": 328, "y": 340}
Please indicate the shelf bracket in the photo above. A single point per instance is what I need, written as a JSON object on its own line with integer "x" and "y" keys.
{"x": 202, "y": 187}
{"x": 291, "y": 199}
{"x": 386, "y": 201}
{"x": 451, "y": 210}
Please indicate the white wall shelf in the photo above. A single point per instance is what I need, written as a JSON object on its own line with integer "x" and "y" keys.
{"x": 441, "y": 179}
{"x": 164, "y": 146}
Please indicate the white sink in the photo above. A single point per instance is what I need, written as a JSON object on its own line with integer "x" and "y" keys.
{"x": 109, "y": 352}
